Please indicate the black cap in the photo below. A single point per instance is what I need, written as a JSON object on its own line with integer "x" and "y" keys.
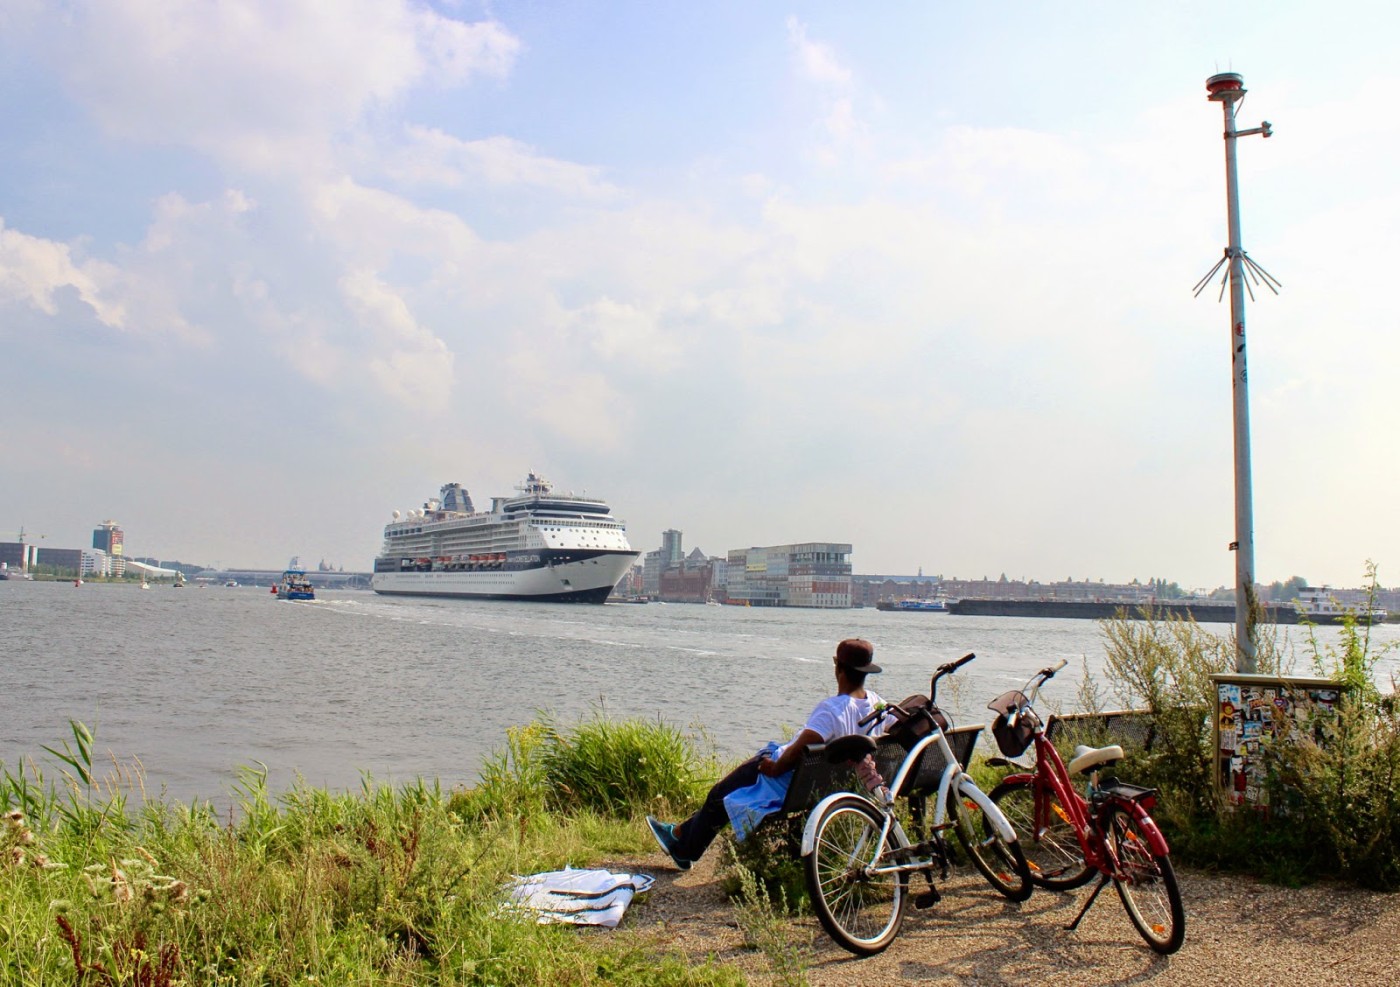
{"x": 856, "y": 653}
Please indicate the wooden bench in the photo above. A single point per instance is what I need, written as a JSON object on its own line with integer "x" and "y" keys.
{"x": 815, "y": 778}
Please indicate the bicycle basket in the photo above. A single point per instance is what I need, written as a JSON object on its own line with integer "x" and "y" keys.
{"x": 1013, "y": 741}
{"x": 914, "y": 719}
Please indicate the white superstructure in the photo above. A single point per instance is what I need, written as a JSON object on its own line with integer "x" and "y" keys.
{"x": 538, "y": 545}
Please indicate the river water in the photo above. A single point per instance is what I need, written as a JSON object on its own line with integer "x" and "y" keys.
{"x": 194, "y": 682}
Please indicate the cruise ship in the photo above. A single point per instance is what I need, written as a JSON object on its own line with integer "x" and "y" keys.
{"x": 538, "y": 545}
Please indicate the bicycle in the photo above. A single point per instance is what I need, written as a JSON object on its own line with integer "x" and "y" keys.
{"x": 1068, "y": 838}
{"x": 856, "y": 855}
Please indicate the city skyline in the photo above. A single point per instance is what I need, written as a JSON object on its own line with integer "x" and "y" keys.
{"x": 918, "y": 278}
{"x": 918, "y": 574}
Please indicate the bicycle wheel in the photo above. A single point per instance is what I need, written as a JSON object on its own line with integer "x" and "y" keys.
{"x": 860, "y": 910}
{"x": 1045, "y": 833}
{"x": 1148, "y": 885}
{"x": 1002, "y": 864}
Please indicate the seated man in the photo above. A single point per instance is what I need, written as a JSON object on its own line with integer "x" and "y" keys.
{"x": 835, "y": 716}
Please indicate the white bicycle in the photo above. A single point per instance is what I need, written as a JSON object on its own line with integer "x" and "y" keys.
{"x": 856, "y": 854}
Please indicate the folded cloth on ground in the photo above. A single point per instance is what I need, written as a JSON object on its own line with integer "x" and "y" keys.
{"x": 579, "y": 897}
{"x": 747, "y": 807}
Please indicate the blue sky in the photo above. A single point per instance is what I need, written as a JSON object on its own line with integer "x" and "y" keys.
{"x": 912, "y": 276}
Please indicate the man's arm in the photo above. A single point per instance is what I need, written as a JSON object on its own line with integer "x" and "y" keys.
{"x": 789, "y": 758}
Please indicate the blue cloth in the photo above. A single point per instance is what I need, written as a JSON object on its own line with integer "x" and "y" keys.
{"x": 747, "y": 807}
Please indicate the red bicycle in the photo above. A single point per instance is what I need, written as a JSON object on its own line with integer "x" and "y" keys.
{"x": 1068, "y": 838}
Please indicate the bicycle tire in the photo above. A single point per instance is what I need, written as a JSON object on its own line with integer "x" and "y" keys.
{"x": 862, "y": 912}
{"x": 1046, "y": 834}
{"x": 1002, "y": 864}
{"x": 1148, "y": 886}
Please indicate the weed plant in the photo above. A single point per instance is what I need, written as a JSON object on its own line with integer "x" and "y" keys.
{"x": 377, "y": 886}
{"x": 766, "y": 927}
{"x": 1335, "y": 795}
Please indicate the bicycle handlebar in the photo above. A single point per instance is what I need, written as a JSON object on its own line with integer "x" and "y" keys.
{"x": 874, "y": 714}
{"x": 953, "y": 666}
{"x": 944, "y": 669}
{"x": 1033, "y": 687}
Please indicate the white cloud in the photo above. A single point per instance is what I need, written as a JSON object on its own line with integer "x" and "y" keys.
{"x": 34, "y": 270}
{"x": 433, "y": 157}
{"x": 815, "y": 60}
{"x": 408, "y": 362}
{"x": 264, "y": 84}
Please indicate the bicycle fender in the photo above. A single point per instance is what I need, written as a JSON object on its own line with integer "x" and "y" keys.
{"x": 809, "y": 829}
{"x": 969, "y": 788}
{"x": 1147, "y": 824}
{"x": 1025, "y": 778}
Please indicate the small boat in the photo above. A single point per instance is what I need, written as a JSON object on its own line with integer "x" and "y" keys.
{"x": 935, "y": 605}
{"x": 145, "y": 584}
{"x": 295, "y": 586}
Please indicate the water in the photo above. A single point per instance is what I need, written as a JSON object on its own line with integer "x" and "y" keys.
{"x": 197, "y": 681}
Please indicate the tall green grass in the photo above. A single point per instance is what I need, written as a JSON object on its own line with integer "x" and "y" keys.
{"x": 382, "y": 885}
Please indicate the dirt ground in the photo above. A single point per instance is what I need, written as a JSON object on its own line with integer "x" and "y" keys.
{"x": 1238, "y": 931}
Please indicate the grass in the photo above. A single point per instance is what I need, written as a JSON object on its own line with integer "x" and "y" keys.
{"x": 377, "y": 886}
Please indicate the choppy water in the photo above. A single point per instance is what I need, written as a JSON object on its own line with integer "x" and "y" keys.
{"x": 195, "y": 682}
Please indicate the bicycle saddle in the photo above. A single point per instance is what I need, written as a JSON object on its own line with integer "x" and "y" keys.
{"x": 1091, "y": 757}
{"x": 851, "y": 747}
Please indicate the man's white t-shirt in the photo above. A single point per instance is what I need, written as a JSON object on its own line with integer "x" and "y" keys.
{"x": 836, "y": 716}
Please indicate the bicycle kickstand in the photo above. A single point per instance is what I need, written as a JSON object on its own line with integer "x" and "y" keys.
{"x": 930, "y": 897}
{"x": 1103, "y": 883}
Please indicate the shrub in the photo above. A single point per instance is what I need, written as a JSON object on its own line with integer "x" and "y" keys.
{"x": 1335, "y": 798}
{"x": 621, "y": 768}
{"x": 617, "y": 768}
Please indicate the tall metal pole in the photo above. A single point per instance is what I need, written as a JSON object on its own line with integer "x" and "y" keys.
{"x": 1227, "y": 89}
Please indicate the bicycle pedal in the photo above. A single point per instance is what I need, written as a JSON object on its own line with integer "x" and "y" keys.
{"x": 927, "y": 899}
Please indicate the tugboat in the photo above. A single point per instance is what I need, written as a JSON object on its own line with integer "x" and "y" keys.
{"x": 295, "y": 586}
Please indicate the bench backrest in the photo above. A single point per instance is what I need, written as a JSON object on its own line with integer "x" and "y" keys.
{"x": 814, "y": 778}
{"x": 1136, "y": 726}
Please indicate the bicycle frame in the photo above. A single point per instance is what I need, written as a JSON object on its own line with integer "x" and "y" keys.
{"x": 1051, "y": 772}
{"x": 953, "y": 774}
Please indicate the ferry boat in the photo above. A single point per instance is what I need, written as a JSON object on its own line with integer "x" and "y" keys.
{"x": 539, "y": 545}
{"x": 936, "y": 605}
{"x": 295, "y": 586}
{"x": 1317, "y": 605}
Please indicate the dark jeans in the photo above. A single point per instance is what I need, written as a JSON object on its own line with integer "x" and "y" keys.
{"x": 696, "y": 833}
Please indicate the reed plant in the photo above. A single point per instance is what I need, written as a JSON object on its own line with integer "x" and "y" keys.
{"x": 382, "y": 885}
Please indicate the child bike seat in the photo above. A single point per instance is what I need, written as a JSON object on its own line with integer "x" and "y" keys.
{"x": 1091, "y": 757}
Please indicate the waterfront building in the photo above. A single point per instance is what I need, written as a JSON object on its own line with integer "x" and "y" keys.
{"x": 809, "y": 574}
{"x": 64, "y": 561}
{"x": 107, "y": 538}
{"x": 18, "y": 555}
{"x": 669, "y": 574}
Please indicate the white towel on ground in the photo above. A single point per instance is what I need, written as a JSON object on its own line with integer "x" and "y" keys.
{"x": 579, "y": 897}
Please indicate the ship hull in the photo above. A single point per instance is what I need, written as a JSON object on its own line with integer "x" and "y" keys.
{"x": 588, "y": 577}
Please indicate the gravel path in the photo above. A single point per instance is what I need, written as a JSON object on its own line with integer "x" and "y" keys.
{"x": 1239, "y": 931}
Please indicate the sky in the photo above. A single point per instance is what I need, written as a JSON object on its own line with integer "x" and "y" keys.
{"x": 913, "y": 276}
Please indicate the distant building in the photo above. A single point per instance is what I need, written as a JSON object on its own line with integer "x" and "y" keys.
{"x": 810, "y": 574}
{"x": 18, "y": 555}
{"x": 107, "y": 538}
{"x": 688, "y": 582}
{"x": 63, "y": 560}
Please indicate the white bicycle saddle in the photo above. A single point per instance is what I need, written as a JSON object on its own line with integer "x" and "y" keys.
{"x": 1089, "y": 757}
